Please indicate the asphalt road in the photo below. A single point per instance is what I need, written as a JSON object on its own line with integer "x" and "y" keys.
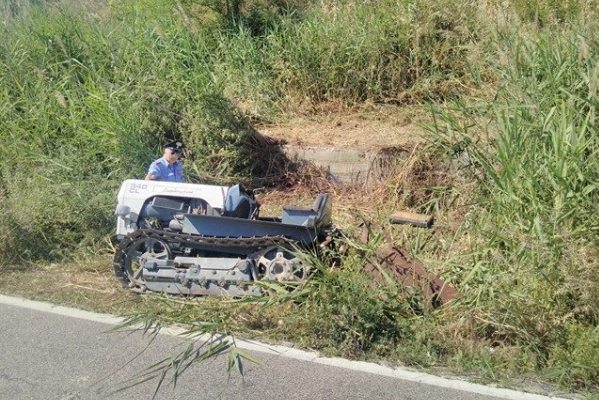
{"x": 49, "y": 356}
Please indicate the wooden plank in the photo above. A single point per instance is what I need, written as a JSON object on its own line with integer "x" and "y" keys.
{"x": 408, "y": 218}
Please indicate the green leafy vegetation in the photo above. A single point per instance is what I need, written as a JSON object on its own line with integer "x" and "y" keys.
{"x": 531, "y": 271}
{"x": 90, "y": 90}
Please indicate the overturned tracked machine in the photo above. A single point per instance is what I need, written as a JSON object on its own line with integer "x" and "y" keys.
{"x": 193, "y": 239}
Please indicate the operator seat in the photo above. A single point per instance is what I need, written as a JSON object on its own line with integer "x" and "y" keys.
{"x": 315, "y": 217}
{"x": 239, "y": 204}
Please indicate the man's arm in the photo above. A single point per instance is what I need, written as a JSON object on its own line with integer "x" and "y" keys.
{"x": 153, "y": 173}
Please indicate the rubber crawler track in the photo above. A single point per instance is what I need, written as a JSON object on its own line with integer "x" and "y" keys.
{"x": 186, "y": 240}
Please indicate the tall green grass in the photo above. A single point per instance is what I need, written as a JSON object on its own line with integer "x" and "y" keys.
{"x": 529, "y": 278}
{"x": 394, "y": 51}
{"x": 87, "y": 101}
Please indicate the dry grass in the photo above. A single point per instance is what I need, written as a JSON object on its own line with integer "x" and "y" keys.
{"x": 88, "y": 283}
{"x": 370, "y": 128}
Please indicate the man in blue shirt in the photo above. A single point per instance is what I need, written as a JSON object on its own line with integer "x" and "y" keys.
{"x": 168, "y": 167}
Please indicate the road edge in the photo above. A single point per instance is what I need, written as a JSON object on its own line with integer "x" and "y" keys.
{"x": 296, "y": 354}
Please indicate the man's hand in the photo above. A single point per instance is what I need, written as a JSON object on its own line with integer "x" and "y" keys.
{"x": 150, "y": 177}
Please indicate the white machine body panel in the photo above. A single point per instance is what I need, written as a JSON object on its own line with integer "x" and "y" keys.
{"x": 134, "y": 193}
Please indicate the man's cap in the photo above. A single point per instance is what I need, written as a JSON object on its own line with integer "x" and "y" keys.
{"x": 175, "y": 147}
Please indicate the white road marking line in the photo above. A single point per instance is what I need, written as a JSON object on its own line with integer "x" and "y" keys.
{"x": 295, "y": 354}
